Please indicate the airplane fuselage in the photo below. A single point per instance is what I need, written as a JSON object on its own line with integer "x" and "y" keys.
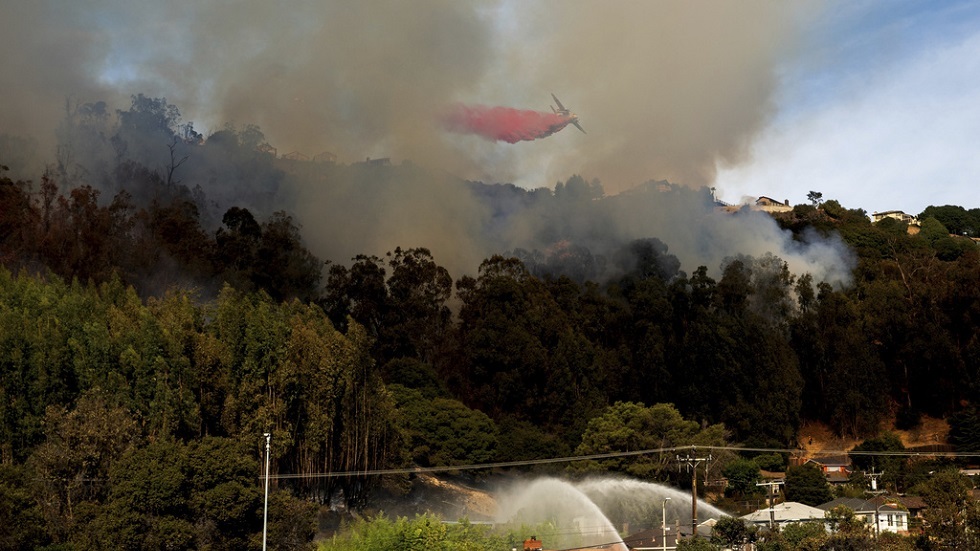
{"x": 568, "y": 116}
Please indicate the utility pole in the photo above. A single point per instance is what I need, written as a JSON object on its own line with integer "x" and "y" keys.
{"x": 692, "y": 465}
{"x": 875, "y": 492}
{"x": 265, "y": 513}
{"x": 874, "y": 479}
{"x": 772, "y": 511}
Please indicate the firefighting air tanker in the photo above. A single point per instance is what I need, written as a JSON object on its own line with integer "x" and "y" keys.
{"x": 563, "y": 112}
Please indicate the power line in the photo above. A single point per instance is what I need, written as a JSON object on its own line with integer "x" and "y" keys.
{"x": 613, "y": 455}
{"x": 480, "y": 466}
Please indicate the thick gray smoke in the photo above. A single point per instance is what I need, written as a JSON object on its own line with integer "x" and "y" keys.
{"x": 666, "y": 89}
{"x": 575, "y": 228}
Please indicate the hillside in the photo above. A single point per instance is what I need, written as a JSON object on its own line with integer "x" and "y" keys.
{"x": 817, "y": 438}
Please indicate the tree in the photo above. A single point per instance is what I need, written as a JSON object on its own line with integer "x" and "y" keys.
{"x": 742, "y": 475}
{"x": 770, "y": 462}
{"x": 814, "y": 198}
{"x": 628, "y": 426}
{"x": 284, "y": 267}
{"x": 22, "y": 522}
{"x": 237, "y": 246}
{"x": 169, "y": 495}
{"x": 516, "y": 352}
{"x": 807, "y": 484}
{"x": 805, "y": 535}
{"x": 695, "y": 544}
{"x": 418, "y": 317}
{"x": 147, "y": 504}
{"x": 841, "y": 369}
{"x": 444, "y": 432}
{"x": 849, "y": 530}
{"x": 964, "y": 430}
{"x": 359, "y": 292}
{"x": 946, "y": 495}
{"x": 956, "y": 219}
{"x": 18, "y": 220}
{"x": 270, "y": 256}
{"x": 731, "y": 532}
{"x": 292, "y": 524}
{"x": 81, "y": 447}
{"x": 932, "y": 230}
{"x": 892, "y": 466}
{"x": 224, "y": 500}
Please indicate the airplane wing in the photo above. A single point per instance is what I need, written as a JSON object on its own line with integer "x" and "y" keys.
{"x": 560, "y": 106}
{"x": 579, "y": 127}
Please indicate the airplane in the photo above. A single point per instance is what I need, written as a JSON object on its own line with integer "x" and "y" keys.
{"x": 562, "y": 111}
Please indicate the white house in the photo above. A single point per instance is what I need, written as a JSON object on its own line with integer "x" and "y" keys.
{"x": 786, "y": 513}
{"x": 888, "y": 515}
{"x": 897, "y": 215}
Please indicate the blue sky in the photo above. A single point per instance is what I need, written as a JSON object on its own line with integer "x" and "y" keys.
{"x": 879, "y": 110}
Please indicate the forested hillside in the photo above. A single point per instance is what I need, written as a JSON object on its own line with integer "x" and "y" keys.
{"x": 148, "y": 339}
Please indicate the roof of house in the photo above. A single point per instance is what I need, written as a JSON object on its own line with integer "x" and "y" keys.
{"x": 652, "y": 537}
{"x": 790, "y": 511}
{"x": 853, "y": 503}
{"x": 912, "y": 503}
{"x": 858, "y": 505}
{"x": 832, "y": 460}
{"x": 764, "y": 198}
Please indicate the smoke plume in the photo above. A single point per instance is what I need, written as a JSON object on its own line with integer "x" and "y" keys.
{"x": 665, "y": 88}
{"x": 503, "y": 124}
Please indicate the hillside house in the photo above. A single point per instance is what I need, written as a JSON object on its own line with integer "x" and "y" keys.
{"x": 768, "y": 204}
{"x": 915, "y": 505}
{"x": 888, "y": 513}
{"x": 836, "y": 468}
{"x": 897, "y": 215}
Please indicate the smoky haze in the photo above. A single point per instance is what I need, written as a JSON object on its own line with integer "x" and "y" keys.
{"x": 666, "y": 88}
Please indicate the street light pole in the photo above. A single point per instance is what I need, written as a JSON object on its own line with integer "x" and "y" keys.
{"x": 664, "y": 518}
{"x": 265, "y": 513}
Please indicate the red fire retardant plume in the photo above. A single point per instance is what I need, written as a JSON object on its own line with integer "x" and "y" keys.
{"x": 503, "y": 123}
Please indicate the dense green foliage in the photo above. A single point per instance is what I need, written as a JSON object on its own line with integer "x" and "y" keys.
{"x": 806, "y": 484}
{"x": 626, "y": 426}
{"x": 742, "y": 475}
{"x": 422, "y": 533}
{"x": 137, "y": 421}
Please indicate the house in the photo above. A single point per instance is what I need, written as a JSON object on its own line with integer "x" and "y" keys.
{"x": 648, "y": 540}
{"x": 768, "y": 204}
{"x": 897, "y": 215}
{"x": 325, "y": 157}
{"x": 785, "y": 513}
{"x": 384, "y": 161}
{"x": 837, "y": 468}
{"x": 915, "y": 505}
{"x": 653, "y": 539}
{"x": 296, "y": 156}
{"x": 267, "y": 149}
{"x": 888, "y": 514}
